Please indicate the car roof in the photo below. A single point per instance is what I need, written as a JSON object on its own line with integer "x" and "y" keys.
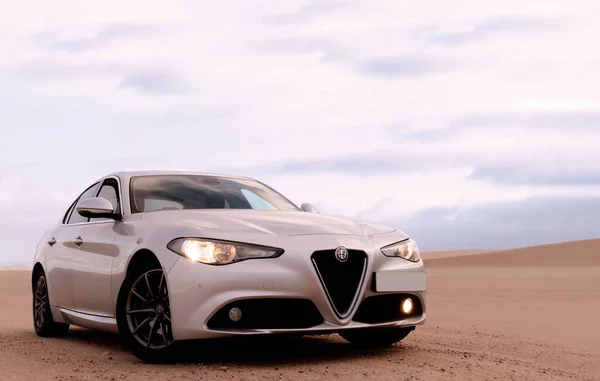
{"x": 130, "y": 174}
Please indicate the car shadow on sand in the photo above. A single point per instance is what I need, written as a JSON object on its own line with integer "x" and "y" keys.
{"x": 256, "y": 350}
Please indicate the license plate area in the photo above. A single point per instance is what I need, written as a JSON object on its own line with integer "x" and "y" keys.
{"x": 399, "y": 281}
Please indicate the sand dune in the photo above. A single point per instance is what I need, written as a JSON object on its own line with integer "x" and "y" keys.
{"x": 524, "y": 314}
{"x": 451, "y": 253}
{"x": 568, "y": 254}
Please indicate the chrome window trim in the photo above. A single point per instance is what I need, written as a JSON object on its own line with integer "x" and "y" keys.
{"x": 74, "y": 204}
{"x": 69, "y": 211}
{"x": 101, "y": 181}
{"x": 87, "y": 223}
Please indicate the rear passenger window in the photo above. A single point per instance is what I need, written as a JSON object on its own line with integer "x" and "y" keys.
{"x": 76, "y": 218}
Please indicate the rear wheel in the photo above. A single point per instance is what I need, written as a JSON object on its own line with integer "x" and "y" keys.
{"x": 144, "y": 316}
{"x": 376, "y": 337}
{"x": 44, "y": 324}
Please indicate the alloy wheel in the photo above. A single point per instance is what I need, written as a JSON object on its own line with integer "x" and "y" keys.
{"x": 40, "y": 304}
{"x": 148, "y": 311}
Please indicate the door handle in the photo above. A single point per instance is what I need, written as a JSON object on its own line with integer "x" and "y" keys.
{"x": 78, "y": 241}
{"x": 52, "y": 241}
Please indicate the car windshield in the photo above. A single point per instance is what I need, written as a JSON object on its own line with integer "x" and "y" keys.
{"x": 173, "y": 192}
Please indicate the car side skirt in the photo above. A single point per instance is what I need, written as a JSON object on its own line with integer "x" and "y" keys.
{"x": 79, "y": 319}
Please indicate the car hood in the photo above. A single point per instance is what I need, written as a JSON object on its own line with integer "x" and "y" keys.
{"x": 281, "y": 223}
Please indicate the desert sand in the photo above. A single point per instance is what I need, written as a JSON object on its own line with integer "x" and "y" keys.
{"x": 451, "y": 253}
{"x": 526, "y": 314}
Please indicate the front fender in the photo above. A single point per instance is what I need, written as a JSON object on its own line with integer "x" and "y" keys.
{"x": 133, "y": 236}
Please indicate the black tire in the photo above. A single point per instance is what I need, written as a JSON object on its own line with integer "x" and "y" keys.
{"x": 43, "y": 323}
{"x": 376, "y": 337}
{"x": 147, "y": 333}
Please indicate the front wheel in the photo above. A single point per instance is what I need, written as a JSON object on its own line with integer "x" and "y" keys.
{"x": 144, "y": 316}
{"x": 376, "y": 337}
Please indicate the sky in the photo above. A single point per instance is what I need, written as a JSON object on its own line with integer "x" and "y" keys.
{"x": 469, "y": 124}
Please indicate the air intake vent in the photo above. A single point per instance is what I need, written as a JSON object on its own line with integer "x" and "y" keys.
{"x": 341, "y": 280}
{"x": 268, "y": 314}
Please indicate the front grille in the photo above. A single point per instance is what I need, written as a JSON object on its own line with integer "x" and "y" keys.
{"x": 341, "y": 280}
{"x": 271, "y": 313}
{"x": 386, "y": 308}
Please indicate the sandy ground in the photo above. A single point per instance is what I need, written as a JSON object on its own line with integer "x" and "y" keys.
{"x": 529, "y": 314}
{"x": 450, "y": 253}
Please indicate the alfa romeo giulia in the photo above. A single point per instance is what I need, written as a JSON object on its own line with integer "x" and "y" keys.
{"x": 163, "y": 257}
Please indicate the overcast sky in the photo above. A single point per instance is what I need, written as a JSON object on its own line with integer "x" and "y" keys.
{"x": 467, "y": 124}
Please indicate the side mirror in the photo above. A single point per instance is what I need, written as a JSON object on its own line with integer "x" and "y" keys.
{"x": 310, "y": 208}
{"x": 96, "y": 207}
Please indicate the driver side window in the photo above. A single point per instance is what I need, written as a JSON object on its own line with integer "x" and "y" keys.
{"x": 74, "y": 217}
{"x": 109, "y": 191}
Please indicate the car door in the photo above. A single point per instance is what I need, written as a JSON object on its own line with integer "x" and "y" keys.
{"x": 59, "y": 252}
{"x": 93, "y": 255}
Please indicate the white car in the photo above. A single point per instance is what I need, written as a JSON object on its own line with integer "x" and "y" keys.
{"x": 163, "y": 257}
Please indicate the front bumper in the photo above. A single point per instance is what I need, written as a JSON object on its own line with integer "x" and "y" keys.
{"x": 198, "y": 292}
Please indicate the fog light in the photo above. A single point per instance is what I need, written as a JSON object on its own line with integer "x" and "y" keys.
{"x": 407, "y": 306}
{"x": 235, "y": 314}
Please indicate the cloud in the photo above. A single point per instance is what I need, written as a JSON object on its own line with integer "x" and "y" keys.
{"x": 520, "y": 175}
{"x": 419, "y": 48}
{"x": 566, "y": 122}
{"x": 483, "y": 29}
{"x": 504, "y": 225}
{"x": 391, "y": 67}
{"x": 532, "y": 149}
{"x": 307, "y": 44}
{"x": 101, "y": 37}
{"x": 153, "y": 83}
{"x": 376, "y": 109}
{"x": 305, "y": 13}
{"x": 372, "y": 164}
{"x": 156, "y": 80}
{"x": 36, "y": 71}
{"x": 543, "y": 120}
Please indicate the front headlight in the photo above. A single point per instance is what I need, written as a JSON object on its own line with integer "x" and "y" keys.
{"x": 214, "y": 252}
{"x": 407, "y": 249}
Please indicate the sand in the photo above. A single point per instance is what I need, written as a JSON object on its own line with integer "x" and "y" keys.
{"x": 526, "y": 314}
{"x": 451, "y": 253}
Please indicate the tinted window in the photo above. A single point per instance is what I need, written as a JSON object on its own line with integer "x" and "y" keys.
{"x": 256, "y": 202}
{"x": 75, "y": 217}
{"x": 151, "y": 205}
{"x": 68, "y": 213}
{"x": 109, "y": 191}
{"x": 164, "y": 192}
